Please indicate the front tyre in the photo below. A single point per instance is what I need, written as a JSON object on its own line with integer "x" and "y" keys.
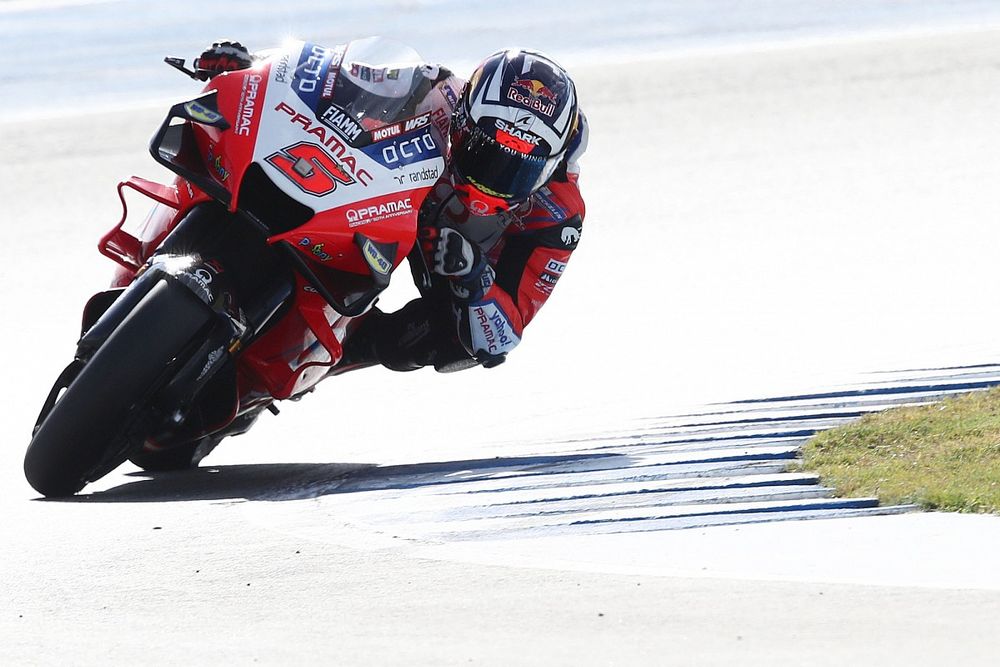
{"x": 87, "y": 432}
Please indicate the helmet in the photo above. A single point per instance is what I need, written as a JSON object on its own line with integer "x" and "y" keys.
{"x": 511, "y": 128}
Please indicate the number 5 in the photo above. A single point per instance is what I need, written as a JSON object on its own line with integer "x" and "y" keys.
{"x": 311, "y": 168}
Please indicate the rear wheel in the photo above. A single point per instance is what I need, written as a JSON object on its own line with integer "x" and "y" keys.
{"x": 88, "y": 431}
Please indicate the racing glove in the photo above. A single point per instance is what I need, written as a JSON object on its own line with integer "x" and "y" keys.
{"x": 451, "y": 255}
{"x": 222, "y": 57}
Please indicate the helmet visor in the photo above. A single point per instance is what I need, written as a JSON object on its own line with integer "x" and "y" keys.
{"x": 498, "y": 170}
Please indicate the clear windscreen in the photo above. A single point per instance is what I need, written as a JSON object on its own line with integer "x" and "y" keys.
{"x": 362, "y": 86}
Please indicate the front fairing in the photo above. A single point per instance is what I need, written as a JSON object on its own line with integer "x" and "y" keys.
{"x": 339, "y": 131}
{"x": 338, "y": 134}
{"x": 330, "y": 154}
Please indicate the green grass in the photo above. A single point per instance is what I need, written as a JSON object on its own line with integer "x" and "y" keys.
{"x": 944, "y": 456}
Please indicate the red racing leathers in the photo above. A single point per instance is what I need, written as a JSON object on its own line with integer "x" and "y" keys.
{"x": 526, "y": 252}
{"x": 459, "y": 322}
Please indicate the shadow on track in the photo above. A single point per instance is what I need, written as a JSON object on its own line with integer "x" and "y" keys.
{"x": 278, "y": 481}
{"x": 296, "y": 481}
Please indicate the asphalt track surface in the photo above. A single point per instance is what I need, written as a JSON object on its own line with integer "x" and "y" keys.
{"x": 318, "y": 538}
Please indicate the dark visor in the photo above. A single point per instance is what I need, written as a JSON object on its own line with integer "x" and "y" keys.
{"x": 497, "y": 170}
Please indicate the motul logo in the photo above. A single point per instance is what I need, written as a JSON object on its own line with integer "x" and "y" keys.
{"x": 397, "y": 129}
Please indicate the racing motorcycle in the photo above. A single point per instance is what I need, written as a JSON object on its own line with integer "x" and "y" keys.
{"x": 297, "y": 187}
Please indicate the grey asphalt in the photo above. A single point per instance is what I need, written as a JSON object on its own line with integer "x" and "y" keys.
{"x": 224, "y": 567}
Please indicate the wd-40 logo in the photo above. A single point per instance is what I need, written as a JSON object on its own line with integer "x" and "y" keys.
{"x": 416, "y": 146}
{"x": 376, "y": 259}
{"x": 201, "y": 113}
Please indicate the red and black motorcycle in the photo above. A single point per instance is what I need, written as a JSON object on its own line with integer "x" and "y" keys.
{"x": 296, "y": 196}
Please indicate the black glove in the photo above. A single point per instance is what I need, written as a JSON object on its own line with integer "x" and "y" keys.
{"x": 454, "y": 256}
{"x": 451, "y": 255}
{"x": 222, "y": 57}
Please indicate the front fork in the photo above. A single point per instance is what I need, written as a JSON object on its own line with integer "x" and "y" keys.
{"x": 239, "y": 283}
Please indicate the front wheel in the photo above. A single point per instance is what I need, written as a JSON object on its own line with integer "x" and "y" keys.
{"x": 88, "y": 430}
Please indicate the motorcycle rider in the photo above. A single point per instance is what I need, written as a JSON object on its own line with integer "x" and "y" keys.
{"x": 498, "y": 227}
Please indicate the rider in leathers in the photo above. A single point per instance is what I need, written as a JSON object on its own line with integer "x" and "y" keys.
{"x": 499, "y": 226}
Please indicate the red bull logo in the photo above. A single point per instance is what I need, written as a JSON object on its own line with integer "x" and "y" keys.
{"x": 536, "y": 89}
{"x": 536, "y": 96}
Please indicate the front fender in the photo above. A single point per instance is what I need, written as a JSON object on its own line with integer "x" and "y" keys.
{"x": 107, "y": 310}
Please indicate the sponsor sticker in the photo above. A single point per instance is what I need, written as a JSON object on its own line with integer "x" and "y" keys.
{"x": 491, "y": 330}
{"x": 201, "y": 113}
{"x": 404, "y": 150}
{"x": 544, "y": 287}
{"x": 280, "y": 69}
{"x": 316, "y": 249}
{"x": 331, "y": 80}
{"x": 402, "y": 127}
{"x": 248, "y": 104}
{"x": 534, "y": 95}
{"x": 487, "y": 279}
{"x": 377, "y": 212}
{"x": 342, "y": 123}
{"x": 441, "y": 120}
{"x": 512, "y": 136}
{"x": 314, "y": 62}
{"x": 329, "y": 139}
{"x": 331, "y": 75}
{"x": 555, "y": 266}
{"x": 376, "y": 259}
{"x": 570, "y": 235}
{"x": 417, "y": 176}
{"x": 554, "y": 210}
{"x": 213, "y": 357}
{"x": 307, "y": 73}
{"x": 216, "y": 164}
{"x": 449, "y": 94}
{"x": 536, "y": 89}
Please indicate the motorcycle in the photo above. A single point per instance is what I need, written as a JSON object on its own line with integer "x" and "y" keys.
{"x": 297, "y": 187}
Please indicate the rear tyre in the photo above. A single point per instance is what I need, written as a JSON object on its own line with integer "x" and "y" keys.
{"x": 87, "y": 432}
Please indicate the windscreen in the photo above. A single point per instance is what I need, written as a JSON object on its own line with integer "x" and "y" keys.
{"x": 361, "y": 87}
